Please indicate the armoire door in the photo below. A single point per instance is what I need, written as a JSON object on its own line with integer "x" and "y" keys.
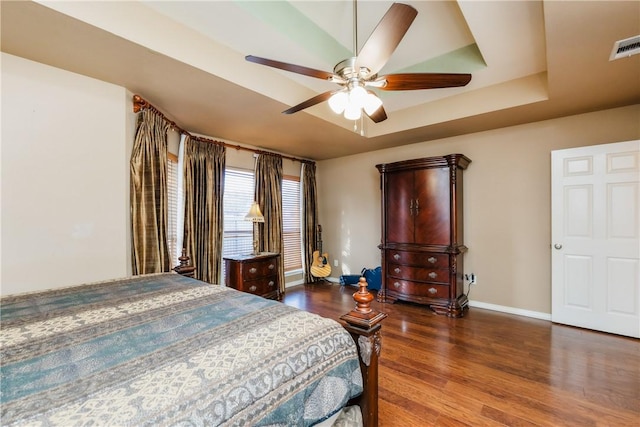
{"x": 596, "y": 237}
{"x": 400, "y": 210}
{"x": 432, "y": 217}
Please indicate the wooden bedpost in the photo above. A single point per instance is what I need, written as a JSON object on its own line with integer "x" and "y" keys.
{"x": 185, "y": 268}
{"x": 363, "y": 323}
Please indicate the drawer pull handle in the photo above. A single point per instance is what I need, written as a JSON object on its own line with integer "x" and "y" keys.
{"x": 432, "y": 291}
{"x": 433, "y": 275}
{"x": 396, "y": 256}
{"x": 272, "y": 266}
{"x": 271, "y": 283}
{"x": 396, "y": 284}
{"x": 397, "y": 270}
{"x": 253, "y": 270}
{"x": 432, "y": 260}
{"x": 253, "y": 288}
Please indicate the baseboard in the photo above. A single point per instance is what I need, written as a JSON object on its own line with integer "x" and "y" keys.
{"x": 294, "y": 283}
{"x": 511, "y": 310}
{"x": 333, "y": 280}
{"x": 477, "y": 304}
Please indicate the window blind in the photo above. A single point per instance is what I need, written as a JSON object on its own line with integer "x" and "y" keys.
{"x": 292, "y": 256}
{"x": 238, "y": 196}
{"x": 172, "y": 208}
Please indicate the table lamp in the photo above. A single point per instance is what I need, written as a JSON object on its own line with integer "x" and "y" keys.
{"x": 255, "y": 216}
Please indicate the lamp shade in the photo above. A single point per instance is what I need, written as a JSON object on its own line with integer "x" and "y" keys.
{"x": 254, "y": 214}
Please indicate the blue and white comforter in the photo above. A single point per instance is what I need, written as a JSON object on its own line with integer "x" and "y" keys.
{"x": 168, "y": 350}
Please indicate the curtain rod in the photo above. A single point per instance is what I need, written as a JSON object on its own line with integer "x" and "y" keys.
{"x": 140, "y": 104}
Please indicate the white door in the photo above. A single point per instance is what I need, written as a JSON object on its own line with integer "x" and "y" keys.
{"x": 595, "y": 237}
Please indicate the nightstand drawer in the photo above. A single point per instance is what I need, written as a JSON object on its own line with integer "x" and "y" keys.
{"x": 256, "y": 269}
{"x": 260, "y": 286}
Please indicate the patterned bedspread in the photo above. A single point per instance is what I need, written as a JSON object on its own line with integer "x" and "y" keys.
{"x": 169, "y": 350}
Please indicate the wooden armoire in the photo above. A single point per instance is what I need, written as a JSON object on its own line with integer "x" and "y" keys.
{"x": 422, "y": 233}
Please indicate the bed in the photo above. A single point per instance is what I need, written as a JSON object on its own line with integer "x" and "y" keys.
{"x": 166, "y": 349}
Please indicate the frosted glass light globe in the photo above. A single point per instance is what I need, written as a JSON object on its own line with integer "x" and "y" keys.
{"x": 338, "y": 102}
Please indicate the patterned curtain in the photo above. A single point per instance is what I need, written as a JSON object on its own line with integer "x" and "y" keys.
{"x": 204, "y": 164}
{"x": 148, "y": 169}
{"x": 269, "y": 196}
{"x": 310, "y": 218}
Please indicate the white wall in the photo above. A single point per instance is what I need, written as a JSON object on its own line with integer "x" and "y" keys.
{"x": 507, "y": 202}
{"x": 64, "y": 178}
{"x": 66, "y": 143}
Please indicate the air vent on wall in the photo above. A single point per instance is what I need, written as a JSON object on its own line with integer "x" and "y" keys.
{"x": 626, "y": 47}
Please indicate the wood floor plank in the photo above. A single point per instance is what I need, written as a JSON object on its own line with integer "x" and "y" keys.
{"x": 490, "y": 368}
{"x": 506, "y": 418}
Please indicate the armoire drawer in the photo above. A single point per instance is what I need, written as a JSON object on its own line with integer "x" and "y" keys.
{"x": 420, "y": 274}
{"x": 408, "y": 287}
{"x": 431, "y": 259}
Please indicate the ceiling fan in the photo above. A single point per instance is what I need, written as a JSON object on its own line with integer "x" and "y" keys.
{"x": 360, "y": 72}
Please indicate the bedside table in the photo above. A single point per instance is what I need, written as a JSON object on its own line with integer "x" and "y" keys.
{"x": 255, "y": 274}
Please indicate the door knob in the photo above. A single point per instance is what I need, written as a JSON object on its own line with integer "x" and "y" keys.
{"x": 557, "y": 246}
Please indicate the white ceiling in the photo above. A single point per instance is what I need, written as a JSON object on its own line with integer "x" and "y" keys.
{"x": 530, "y": 60}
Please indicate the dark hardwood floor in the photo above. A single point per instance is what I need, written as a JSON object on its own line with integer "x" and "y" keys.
{"x": 490, "y": 368}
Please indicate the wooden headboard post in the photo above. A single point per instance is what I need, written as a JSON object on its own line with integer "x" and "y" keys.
{"x": 363, "y": 323}
{"x": 185, "y": 268}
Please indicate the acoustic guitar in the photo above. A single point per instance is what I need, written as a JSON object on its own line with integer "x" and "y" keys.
{"x": 320, "y": 266}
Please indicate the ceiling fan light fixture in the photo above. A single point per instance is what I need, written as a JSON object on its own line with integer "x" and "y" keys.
{"x": 358, "y": 96}
{"x": 372, "y": 103}
{"x": 352, "y": 112}
{"x": 338, "y": 102}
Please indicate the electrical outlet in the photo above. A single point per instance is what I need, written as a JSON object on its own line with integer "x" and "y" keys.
{"x": 471, "y": 278}
{"x": 335, "y": 262}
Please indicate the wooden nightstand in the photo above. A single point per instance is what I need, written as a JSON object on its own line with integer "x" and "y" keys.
{"x": 255, "y": 274}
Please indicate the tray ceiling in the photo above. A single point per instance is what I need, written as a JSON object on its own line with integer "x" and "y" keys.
{"x": 530, "y": 60}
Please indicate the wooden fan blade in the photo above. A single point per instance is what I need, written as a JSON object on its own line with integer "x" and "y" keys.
{"x": 325, "y": 75}
{"x": 385, "y": 37}
{"x": 378, "y": 116}
{"x": 416, "y": 81}
{"x": 310, "y": 102}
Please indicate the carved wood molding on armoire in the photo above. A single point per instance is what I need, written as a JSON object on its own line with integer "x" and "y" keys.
{"x": 422, "y": 233}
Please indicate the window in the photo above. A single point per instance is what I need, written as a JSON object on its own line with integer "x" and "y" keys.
{"x": 238, "y": 196}
{"x": 238, "y": 233}
{"x": 291, "y": 223}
